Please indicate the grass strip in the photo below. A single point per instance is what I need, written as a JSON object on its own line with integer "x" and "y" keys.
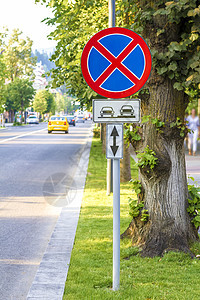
{"x": 174, "y": 276}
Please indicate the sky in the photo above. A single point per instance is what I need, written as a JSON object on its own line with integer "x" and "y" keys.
{"x": 27, "y": 16}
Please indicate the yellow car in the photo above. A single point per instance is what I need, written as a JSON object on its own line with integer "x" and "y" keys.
{"x": 58, "y": 123}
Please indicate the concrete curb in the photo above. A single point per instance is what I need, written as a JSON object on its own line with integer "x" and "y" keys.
{"x": 49, "y": 282}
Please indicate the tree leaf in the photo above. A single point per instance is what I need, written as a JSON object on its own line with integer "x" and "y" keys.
{"x": 178, "y": 86}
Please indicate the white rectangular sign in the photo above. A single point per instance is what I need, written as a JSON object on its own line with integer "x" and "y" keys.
{"x": 114, "y": 141}
{"x": 112, "y": 110}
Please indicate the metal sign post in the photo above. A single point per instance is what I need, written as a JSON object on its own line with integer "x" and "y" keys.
{"x": 116, "y": 224}
{"x": 116, "y": 185}
{"x": 114, "y": 151}
{"x": 111, "y": 9}
{"x": 116, "y": 63}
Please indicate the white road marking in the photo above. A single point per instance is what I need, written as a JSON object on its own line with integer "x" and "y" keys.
{"x": 22, "y": 135}
{"x": 19, "y": 262}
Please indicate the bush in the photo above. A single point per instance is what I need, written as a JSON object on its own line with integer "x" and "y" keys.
{"x": 96, "y": 132}
{"x": 17, "y": 124}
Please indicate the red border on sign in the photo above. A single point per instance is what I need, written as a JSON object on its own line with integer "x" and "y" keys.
{"x": 95, "y": 85}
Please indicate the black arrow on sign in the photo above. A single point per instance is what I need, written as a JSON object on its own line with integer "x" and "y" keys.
{"x": 114, "y": 134}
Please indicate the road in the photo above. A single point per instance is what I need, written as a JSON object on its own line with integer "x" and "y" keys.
{"x": 30, "y": 160}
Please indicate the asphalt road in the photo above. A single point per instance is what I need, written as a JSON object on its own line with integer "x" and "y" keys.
{"x": 35, "y": 167}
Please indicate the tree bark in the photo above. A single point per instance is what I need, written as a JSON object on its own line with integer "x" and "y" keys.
{"x": 125, "y": 169}
{"x": 164, "y": 188}
{"x": 103, "y": 137}
{"x": 11, "y": 116}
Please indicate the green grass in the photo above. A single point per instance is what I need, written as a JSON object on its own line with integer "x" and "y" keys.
{"x": 174, "y": 276}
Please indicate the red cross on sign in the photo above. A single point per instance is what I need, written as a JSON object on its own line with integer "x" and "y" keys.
{"x": 116, "y": 62}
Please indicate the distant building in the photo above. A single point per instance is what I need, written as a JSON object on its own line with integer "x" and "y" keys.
{"x": 40, "y": 81}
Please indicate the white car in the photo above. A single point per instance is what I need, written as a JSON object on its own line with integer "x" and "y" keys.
{"x": 80, "y": 119}
{"x": 32, "y": 120}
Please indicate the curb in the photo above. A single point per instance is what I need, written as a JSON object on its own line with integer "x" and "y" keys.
{"x": 49, "y": 281}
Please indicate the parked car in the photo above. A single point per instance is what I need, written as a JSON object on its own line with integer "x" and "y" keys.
{"x": 32, "y": 119}
{"x": 58, "y": 123}
{"x": 80, "y": 119}
{"x": 71, "y": 120}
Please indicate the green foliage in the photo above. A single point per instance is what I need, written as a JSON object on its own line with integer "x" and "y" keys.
{"x": 180, "y": 58}
{"x": 155, "y": 121}
{"x": 65, "y": 104}
{"x": 195, "y": 248}
{"x": 16, "y": 62}
{"x": 60, "y": 103}
{"x": 183, "y": 129}
{"x": 50, "y": 102}
{"x": 17, "y": 56}
{"x": 136, "y": 185}
{"x": 159, "y": 124}
{"x": 96, "y": 132}
{"x": 40, "y": 102}
{"x": 2, "y": 74}
{"x": 146, "y": 118}
{"x": 17, "y": 123}
{"x": 147, "y": 158}
{"x": 2, "y": 83}
{"x": 77, "y": 21}
{"x": 44, "y": 102}
{"x": 136, "y": 208}
{"x": 131, "y": 133}
{"x": 19, "y": 93}
{"x": 193, "y": 102}
{"x": 194, "y": 203}
{"x": 144, "y": 215}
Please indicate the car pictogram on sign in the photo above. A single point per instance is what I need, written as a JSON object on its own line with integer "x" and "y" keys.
{"x": 126, "y": 110}
{"x": 116, "y": 62}
{"x": 107, "y": 111}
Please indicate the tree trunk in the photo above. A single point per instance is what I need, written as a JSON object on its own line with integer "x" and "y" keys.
{"x": 164, "y": 188}
{"x": 103, "y": 137}
{"x": 125, "y": 169}
{"x": 11, "y": 116}
{"x": 22, "y": 111}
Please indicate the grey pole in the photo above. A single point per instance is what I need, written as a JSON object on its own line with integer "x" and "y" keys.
{"x": 109, "y": 176}
{"x": 116, "y": 224}
{"x": 116, "y": 189}
{"x": 111, "y": 23}
{"x": 111, "y": 8}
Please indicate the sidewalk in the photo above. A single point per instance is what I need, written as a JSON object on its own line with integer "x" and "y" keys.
{"x": 193, "y": 164}
{"x": 6, "y": 125}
